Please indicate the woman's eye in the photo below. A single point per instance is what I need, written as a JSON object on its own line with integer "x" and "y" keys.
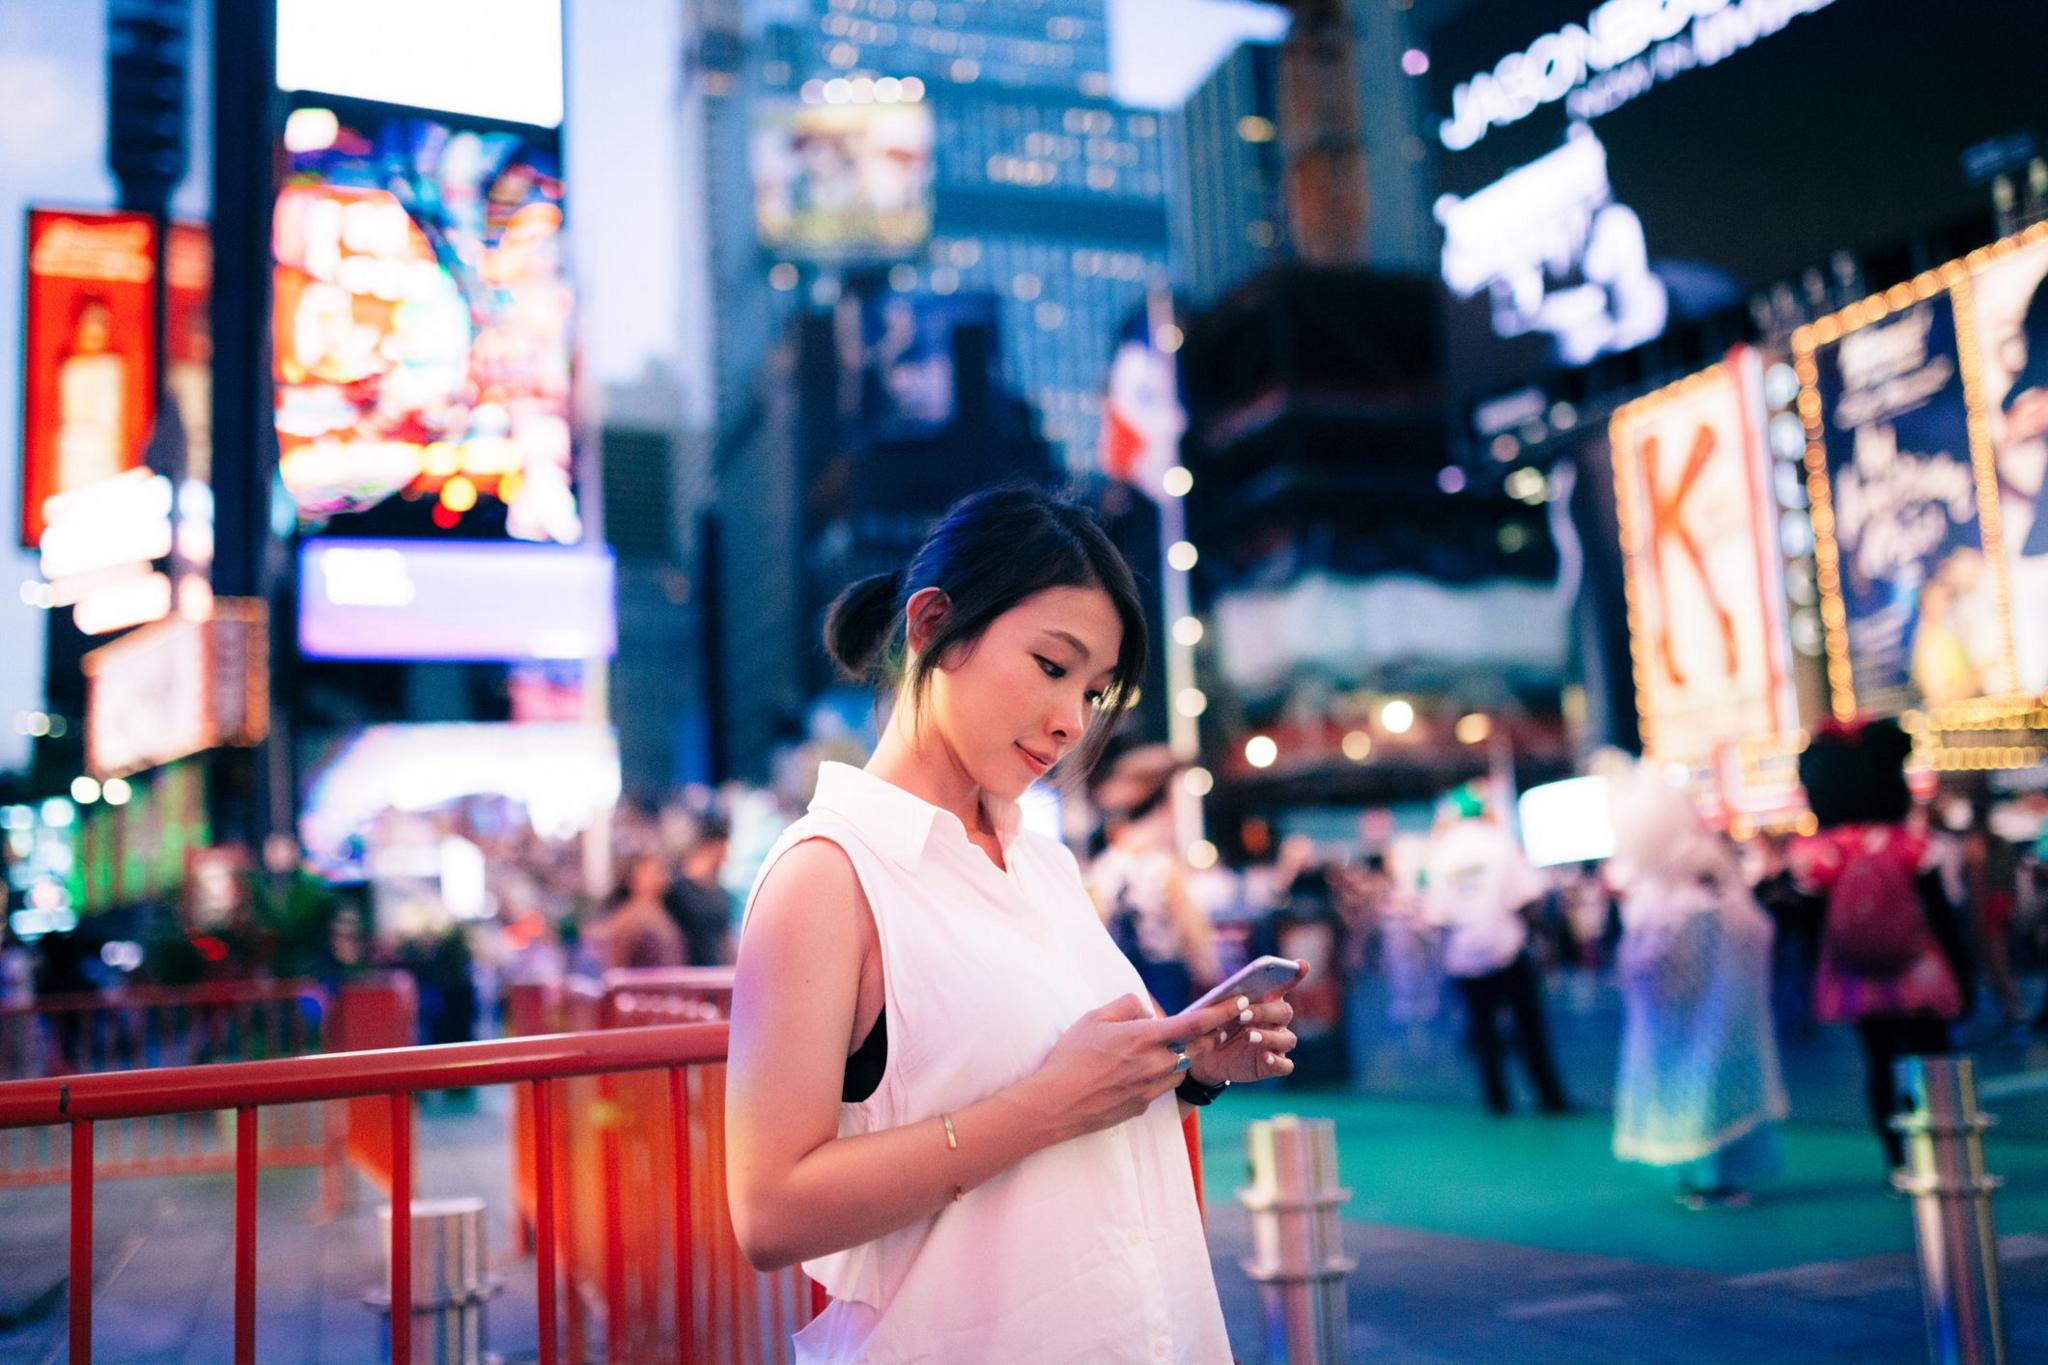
{"x": 1052, "y": 670}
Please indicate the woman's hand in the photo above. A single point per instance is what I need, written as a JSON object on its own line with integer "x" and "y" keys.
{"x": 1114, "y": 1061}
{"x": 1256, "y": 1049}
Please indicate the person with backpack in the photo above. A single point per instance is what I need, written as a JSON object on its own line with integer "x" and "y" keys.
{"x": 1882, "y": 966}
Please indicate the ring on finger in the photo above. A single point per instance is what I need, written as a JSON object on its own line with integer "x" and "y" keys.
{"x": 1184, "y": 1063}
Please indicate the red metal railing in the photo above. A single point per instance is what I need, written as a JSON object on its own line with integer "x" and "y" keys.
{"x": 159, "y": 1026}
{"x": 623, "y": 1256}
{"x": 537, "y": 1065}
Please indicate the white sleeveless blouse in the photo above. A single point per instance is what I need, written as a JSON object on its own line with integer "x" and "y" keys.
{"x": 1088, "y": 1251}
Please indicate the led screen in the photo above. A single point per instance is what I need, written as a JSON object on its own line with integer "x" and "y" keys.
{"x": 421, "y": 329}
{"x": 843, "y": 181}
{"x": 403, "y": 600}
{"x": 89, "y": 353}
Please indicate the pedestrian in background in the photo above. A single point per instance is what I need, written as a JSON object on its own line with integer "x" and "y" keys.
{"x": 1480, "y": 890}
{"x": 1881, "y": 966}
{"x": 1699, "y": 1091}
{"x": 635, "y": 929}
{"x": 1139, "y": 883}
{"x": 698, "y": 902}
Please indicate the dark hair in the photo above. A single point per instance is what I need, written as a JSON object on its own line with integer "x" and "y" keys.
{"x": 991, "y": 551}
{"x": 1855, "y": 773}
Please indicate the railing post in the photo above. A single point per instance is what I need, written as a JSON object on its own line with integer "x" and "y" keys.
{"x": 1298, "y": 1256}
{"x": 245, "y": 1236}
{"x": 686, "y": 1307}
{"x": 401, "y": 1228}
{"x": 81, "y": 1243}
{"x": 1951, "y": 1190}
{"x": 544, "y": 1213}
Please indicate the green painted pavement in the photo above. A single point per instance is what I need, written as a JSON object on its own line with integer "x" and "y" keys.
{"x": 1553, "y": 1184}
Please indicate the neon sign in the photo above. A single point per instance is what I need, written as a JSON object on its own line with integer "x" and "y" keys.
{"x": 1624, "y": 48}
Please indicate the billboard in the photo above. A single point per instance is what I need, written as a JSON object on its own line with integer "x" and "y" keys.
{"x": 1700, "y": 554}
{"x": 1735, "y": 152}
{"x": 89, "y": 353}
{"x": 498, "y": 59}
{"x": 1910, "y": 598}
{"x": 912, "y": 357}
{"x": 2008, "y": 304}
{"x": 421, "y": 329}
{"x": 396, "y": 600}
{"x": 839, "y": 182}
{"x": 177, "y": 687}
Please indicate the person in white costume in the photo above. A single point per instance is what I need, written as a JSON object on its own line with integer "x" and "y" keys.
{"x": 1699, "y": 1093}
{"x": 947, "y": 1096}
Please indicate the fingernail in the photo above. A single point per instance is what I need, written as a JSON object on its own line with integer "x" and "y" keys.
{"x": 1244, "y": 1002}
{"x": 1244, "y": 1017}
{"x": 1272, "y": 1059}
{"x": 1257, "y": 1037}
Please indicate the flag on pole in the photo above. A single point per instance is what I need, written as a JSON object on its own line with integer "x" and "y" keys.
{"x": 1142, "y": 419}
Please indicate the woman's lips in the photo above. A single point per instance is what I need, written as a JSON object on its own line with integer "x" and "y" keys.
{"x": 1038, "y": 765}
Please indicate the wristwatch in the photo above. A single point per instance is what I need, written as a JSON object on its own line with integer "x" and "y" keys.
{"x": 1198, "y": 1094}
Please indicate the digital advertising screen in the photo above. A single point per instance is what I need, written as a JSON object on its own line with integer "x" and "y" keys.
{"x": 484, "y": 602}
{"x": 89, "y": 353}
{"x": 1910, "y": 595}
{"x": 2009, "y": 306}
{"x": 843, "y": 182}
{"x": 496, "y": 59}
{"x": 1705, "y": 579}
{"x": 421, "y": 328}
{"x": 1611, "y": 168}
{"x": 912, "y": 365}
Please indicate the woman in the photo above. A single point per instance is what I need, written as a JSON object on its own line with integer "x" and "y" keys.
{"x": 635, "y": 930}
{"x": 1700, "y": 1092}
{"x": 946, "y": 1094}
{"x": 1882, "y": 965}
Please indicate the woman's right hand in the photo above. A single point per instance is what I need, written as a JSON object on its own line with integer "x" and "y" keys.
{"x": 1114, "y": 1061}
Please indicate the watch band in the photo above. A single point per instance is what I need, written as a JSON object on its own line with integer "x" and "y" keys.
{"x": 1197, "y": 1094}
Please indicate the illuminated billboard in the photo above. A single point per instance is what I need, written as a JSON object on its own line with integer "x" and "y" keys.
{"x": 836, "y": 182}
{"x": 89, "y": 353}
{"x": 1910, "y": 596}
{"x": 1700, "y": 552}
{"x": 496, "y": 59}
{"x": 421, "y": 329}
{"x": 2008, "y": 290}
{"x": 177, "y": 687}
{"x": 397, "y": 600}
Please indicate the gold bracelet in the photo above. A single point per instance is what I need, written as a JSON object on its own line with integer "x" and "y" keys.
{"x": 952, "y": 1145}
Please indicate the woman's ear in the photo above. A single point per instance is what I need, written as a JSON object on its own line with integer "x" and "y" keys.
{"x": 926, "y": 610}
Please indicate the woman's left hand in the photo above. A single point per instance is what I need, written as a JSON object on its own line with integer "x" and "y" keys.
{"x": 1254, "y": 1051}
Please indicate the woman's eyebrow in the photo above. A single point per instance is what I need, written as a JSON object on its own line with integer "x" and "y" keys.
{"x": 1079, "y": 648}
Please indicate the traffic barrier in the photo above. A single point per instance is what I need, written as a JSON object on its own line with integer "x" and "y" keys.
{"x": 159, "y": 1026}
{"x": 704, "y": 1319}
{"x": 621, "y": 1255}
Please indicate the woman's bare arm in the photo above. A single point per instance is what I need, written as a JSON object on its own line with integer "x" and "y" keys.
{"x": 797, "y": 1189}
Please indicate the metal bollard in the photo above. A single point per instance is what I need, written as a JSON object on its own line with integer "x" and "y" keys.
{"x": 450, "y": 1281}
{"x": 1951, "y": 1193}
{"x": 1298, "y": 1256}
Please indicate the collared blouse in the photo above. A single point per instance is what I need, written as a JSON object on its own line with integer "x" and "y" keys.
{"x": 1090, "y": 1250}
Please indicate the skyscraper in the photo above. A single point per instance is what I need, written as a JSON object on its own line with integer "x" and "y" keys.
{"x": 1047, "y": 194}
{"x": 1226, "y": 197}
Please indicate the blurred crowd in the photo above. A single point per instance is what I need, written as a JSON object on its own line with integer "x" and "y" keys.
{"x": 1892, "y": 916}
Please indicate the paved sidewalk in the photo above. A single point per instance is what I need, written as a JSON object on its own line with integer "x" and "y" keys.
{"x": 1516, "y": 1240}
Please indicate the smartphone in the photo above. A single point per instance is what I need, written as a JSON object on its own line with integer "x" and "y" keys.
{"x": 1257, "y": 980}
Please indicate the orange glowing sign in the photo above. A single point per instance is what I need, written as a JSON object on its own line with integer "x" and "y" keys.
{"x": 89, "y": 361}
